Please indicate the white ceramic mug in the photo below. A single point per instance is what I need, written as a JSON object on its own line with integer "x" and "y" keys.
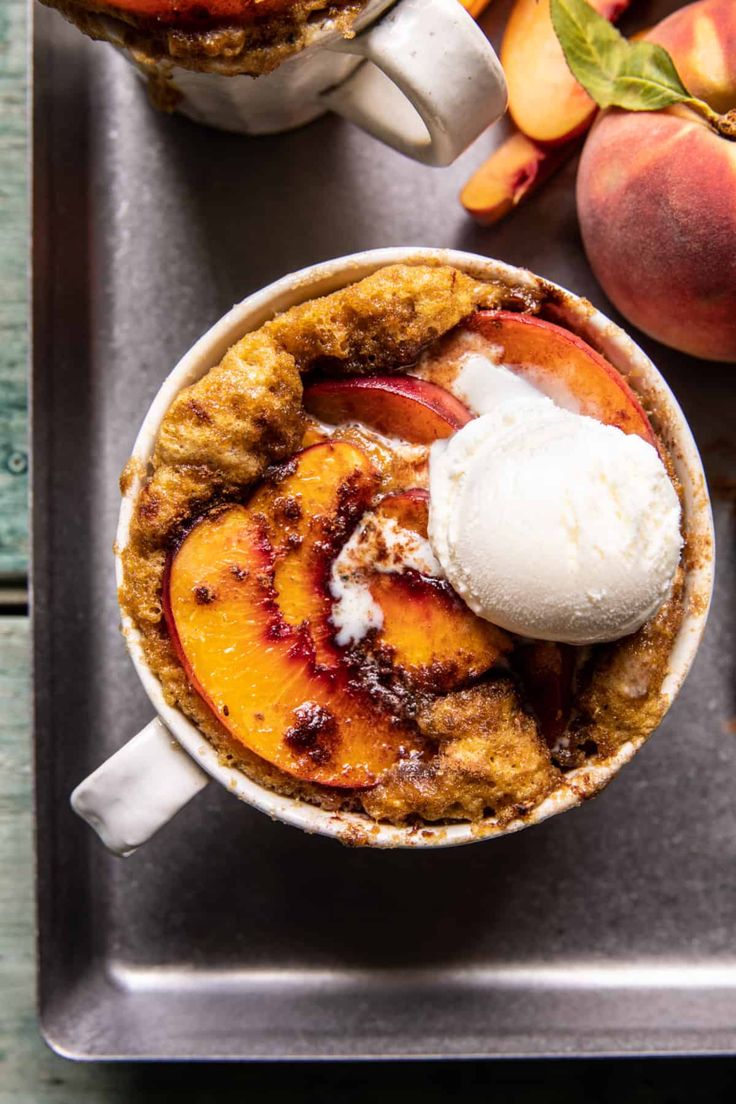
{"x": 420, "y": 75}
{"x": 143, "y": 785}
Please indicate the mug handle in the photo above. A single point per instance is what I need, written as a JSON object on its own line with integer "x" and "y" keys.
{"x": 138, "y": 789}
{"x": 430, "y": 83}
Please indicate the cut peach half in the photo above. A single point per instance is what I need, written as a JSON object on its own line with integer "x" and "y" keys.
{"x": 397, "y": 406}
{"x": 436, "y": 641}
{"x": 563, "y": 366}
{"x": 257, "y": 672}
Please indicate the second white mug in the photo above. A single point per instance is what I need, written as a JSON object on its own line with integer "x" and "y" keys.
{"x": 419, "y": 75}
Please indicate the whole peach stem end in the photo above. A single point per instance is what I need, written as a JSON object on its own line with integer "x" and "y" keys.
{"x": 725, "y": 125}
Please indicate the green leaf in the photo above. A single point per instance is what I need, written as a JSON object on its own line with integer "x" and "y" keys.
{"x": 638, "y": 76}
{"x": 648, "y": 79}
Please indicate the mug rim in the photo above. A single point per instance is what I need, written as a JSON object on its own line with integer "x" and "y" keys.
{"x": 320, "y": 279}
{"x": 321, "y": 34}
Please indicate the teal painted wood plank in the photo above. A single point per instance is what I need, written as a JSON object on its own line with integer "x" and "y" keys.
{"x": 14, "y": 299}
{"x": 16, "y": 907}
{"x": 29, "y": 1072}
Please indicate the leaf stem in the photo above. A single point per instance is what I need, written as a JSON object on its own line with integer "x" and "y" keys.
{"x": 724, "y": 125}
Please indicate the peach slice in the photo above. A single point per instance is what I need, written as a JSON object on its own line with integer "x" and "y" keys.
{"x": 310, "y": 509}
{"x": 547, "y": 671}
{"x": 564, "y": 367}
{"x": 510, "y": 175}
{"x": 397, "y": 406}
{"x": 436, "y": 641}
{"x": 409, "y": 509}
{"x": 201, "y": 13}
{"x": 545, "y": 100}
{"x": 257, "y": 672}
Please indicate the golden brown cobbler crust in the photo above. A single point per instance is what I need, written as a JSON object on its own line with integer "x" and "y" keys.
{"x": 253, "y": 47}
{"x": 217, "y": 439}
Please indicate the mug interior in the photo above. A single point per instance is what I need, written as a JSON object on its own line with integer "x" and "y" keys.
{"x": 623, "y": 353}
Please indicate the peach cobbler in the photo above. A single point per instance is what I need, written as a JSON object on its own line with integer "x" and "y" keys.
{"x": 212, "y": 36}
{"x": 411, "y": 549}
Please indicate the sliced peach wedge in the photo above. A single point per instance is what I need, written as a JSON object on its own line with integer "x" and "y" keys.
{"x": 434, "y": 639}
{"x": 409, "y": 509}
{"x": 436, "y": 642}
{"x": 255, "y": 670}
{"x": 309, "y": 508}
{"x": 563, "y": 366}
{"x": 545, "y": 101}
{"x": 511, "y": 174}
{"x": 397, "y": 406}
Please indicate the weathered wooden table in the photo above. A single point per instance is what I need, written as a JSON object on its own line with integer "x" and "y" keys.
{"x": 29, "y": 1072}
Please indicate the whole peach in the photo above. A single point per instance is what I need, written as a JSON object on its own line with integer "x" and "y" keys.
{"x": 656, "y": 195}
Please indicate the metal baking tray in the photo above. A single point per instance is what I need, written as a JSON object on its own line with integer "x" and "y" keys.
{"x": 609, "y": 930}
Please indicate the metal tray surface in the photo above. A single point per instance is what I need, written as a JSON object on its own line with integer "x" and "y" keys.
{"x": 609, "y": 930}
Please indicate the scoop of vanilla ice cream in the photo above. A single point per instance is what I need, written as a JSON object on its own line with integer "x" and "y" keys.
{"x": 483, "y": 385}
{"x": 553, "y": 525}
